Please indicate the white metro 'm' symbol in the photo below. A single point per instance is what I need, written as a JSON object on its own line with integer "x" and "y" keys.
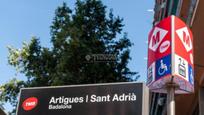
{"x": 156, "y": 38}
{"x": 184, "y": 36}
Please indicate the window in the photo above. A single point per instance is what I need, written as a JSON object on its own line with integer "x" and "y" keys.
{"x": 175, "y": 7}
{"x": 191, "y": 12}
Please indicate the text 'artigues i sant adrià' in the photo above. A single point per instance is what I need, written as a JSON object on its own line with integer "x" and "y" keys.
{"x": 63, "y": 102}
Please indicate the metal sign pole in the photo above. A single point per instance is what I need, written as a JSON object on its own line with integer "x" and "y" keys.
{"x": 171, "y": 87}
{"x": 170, "y": 101}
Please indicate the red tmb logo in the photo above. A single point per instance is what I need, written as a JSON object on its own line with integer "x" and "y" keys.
{"x": 30, "y": 103}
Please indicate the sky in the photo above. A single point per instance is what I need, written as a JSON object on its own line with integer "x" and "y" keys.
{"x": 22, "y": 19}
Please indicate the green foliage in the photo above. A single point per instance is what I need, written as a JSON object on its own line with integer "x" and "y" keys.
{"x": 10, "y": 92}
{"x": 87, "y": 30}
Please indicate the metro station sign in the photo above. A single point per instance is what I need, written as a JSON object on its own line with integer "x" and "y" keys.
{"x": 170, "y": 56}
{"x": 94, "y": 99}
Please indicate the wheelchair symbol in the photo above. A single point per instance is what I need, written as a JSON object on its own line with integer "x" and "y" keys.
{"x": 163, "y": 68}
{"x": 191, "y": 76}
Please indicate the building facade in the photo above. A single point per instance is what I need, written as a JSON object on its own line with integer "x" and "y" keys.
{"x": 191, "y": 12}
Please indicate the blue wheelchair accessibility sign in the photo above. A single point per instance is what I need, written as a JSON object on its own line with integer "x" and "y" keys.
{"x": 163, "y": 67}
{"x": 190, "y": 73}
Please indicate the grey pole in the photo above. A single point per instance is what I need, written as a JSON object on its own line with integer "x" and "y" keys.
{"x": 170, "y": 101}
{"x": 171, "y": 87}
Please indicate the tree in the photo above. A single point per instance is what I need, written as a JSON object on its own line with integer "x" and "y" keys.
{"x": 78, "y": 37}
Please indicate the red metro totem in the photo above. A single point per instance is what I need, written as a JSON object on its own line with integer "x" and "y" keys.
{"x": 170, "y": 56}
